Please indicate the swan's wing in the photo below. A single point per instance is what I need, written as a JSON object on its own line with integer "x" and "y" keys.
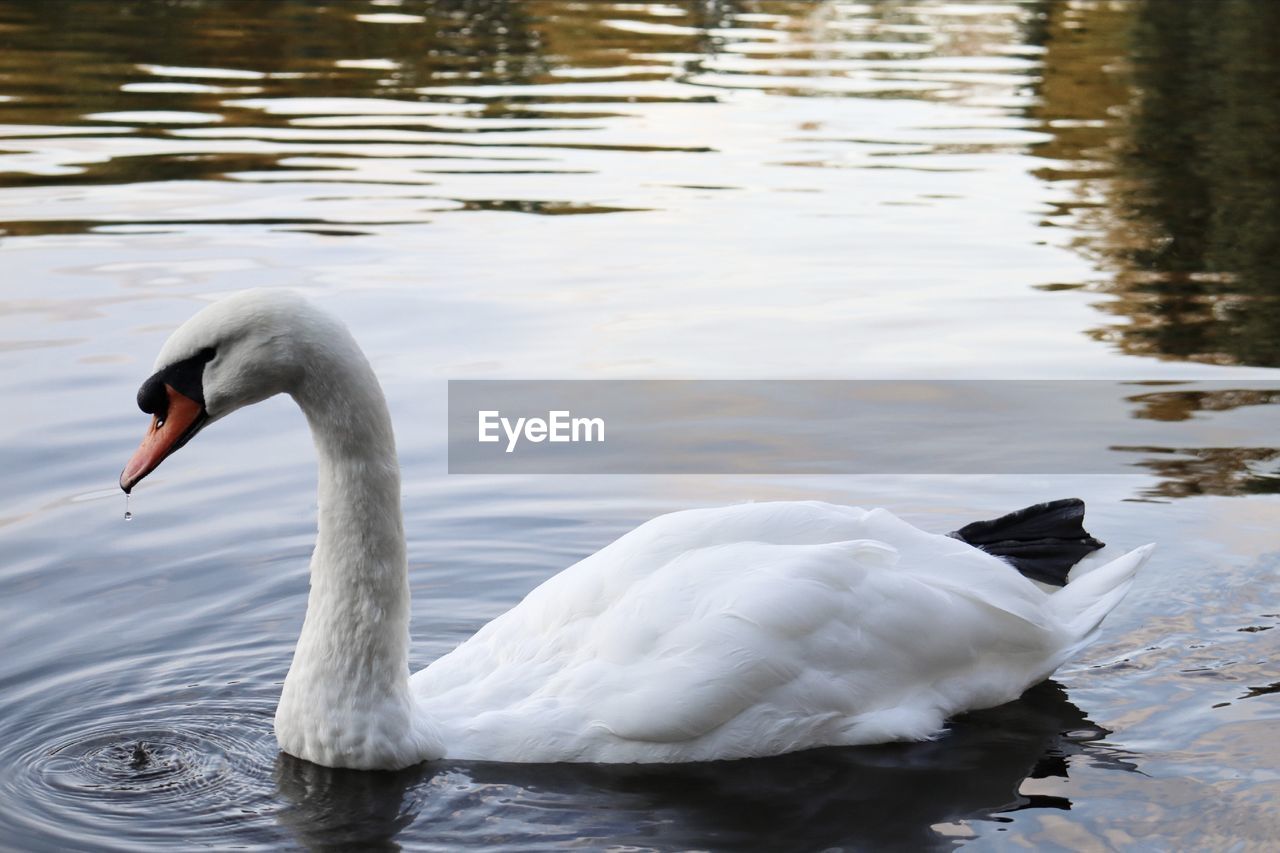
{"x": 946, "y": 563}
{"x": 556, "y": 609}
{"x": 596, "y": 583}
{"x": 838, "y": 634}
{"x": 747, "y": 647}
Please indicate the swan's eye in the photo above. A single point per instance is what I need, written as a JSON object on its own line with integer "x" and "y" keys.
{"x": 159, "y": 422}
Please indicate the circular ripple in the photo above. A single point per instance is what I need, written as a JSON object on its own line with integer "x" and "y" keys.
{"x": 150, "y": 762}
{"x": 205, "y": 767}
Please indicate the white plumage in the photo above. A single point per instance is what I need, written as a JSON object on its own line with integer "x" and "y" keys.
{"x": 741, "y": 631}
{"x": 753, "y": 630}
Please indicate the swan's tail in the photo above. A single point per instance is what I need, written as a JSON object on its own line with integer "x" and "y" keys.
{"x": 1042, "y": 541}
{"x": 1083, "y": 603}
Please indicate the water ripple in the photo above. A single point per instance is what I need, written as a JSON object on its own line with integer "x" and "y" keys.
{"x": 98, "y": 775}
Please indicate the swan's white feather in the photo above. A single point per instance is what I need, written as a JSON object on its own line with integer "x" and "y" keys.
{"x": 743, "y": 631}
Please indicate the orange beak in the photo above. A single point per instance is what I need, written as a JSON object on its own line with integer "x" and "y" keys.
{"x": 181, "y": 419}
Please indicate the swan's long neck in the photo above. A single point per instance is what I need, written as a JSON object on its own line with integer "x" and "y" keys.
{"x": 346, "y": 700}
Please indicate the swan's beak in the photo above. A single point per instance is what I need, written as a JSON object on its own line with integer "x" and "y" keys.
{"x": 170, "y": 429}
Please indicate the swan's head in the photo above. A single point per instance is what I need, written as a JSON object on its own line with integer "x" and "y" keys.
{"x": 233, "y": 353}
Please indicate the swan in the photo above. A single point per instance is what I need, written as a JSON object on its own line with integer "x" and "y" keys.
{"x": 734, "y": 632}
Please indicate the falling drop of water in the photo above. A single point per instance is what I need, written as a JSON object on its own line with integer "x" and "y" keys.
{"x": 128, "y": 516}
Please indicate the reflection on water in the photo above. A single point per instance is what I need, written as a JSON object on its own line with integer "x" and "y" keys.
{"x": 906, "y": 796}
{"x": 327, "y": 808}
{"x": 719, "y": 189}
{"x": 1187, "y": 471}
{"x": 1179, "y": 197}
{"x": 1150, "y": 123}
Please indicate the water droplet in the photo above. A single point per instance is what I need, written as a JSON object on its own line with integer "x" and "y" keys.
{"x": 128, "y": 516}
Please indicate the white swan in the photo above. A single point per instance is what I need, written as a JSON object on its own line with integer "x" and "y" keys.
{"x": 709, "y": 634}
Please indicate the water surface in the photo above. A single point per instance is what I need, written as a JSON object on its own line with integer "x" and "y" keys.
{"x": 709, "y": 190}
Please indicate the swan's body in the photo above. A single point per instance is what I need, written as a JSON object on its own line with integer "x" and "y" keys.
{"x": 709, "y": 634}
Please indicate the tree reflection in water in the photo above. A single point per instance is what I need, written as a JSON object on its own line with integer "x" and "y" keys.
{"x": 1167, "y": 113}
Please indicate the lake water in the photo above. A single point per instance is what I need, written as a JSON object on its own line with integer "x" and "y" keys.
{"x": 719, "y": 189}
